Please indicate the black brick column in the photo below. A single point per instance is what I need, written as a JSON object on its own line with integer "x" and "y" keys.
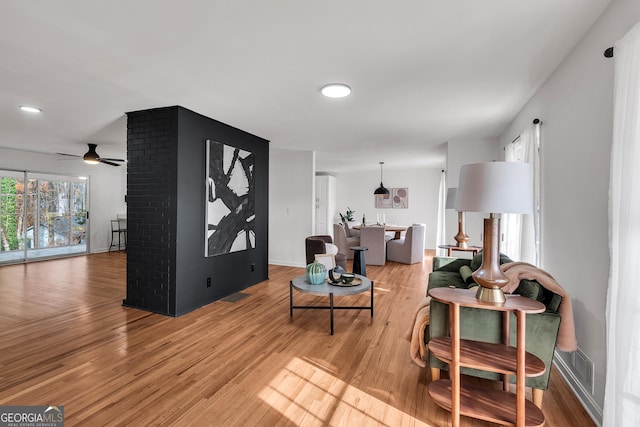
{"x": 167, "y": 270}
{"x": 151, "y": 211}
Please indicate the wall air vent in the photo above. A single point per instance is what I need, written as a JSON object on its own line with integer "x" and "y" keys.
{"x": 583, "y": 369}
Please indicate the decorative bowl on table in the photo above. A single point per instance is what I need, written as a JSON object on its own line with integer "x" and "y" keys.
{"x": 348, "y": 277}
{"x": 335, "y": 274}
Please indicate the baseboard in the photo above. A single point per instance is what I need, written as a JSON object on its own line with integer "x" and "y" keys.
{"x": 286, "y": 263}
{"x": 583, "y": 395}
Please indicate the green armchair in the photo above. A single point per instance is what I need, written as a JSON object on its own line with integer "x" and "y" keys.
{"x": 486, "y": 325}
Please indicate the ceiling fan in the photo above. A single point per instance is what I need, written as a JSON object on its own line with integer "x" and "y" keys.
{"x": 93, "y": 158}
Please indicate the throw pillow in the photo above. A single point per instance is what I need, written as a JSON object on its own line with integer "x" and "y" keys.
{"x": 476, "y": 261}
{"x": 331, "y": 249}
{"x": 534, "y": 290}
{"x": 530, "y": 289}
{"x": 449, "y": 264}
{"x": 465, "y": 272}
{"x": 347, "y": 229}
{"x": 554, "y": 305}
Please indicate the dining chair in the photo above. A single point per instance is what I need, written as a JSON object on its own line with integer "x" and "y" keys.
{"x": 410, "y": 248}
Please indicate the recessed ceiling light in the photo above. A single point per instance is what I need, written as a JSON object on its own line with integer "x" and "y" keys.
{"x": 336, "y": 90}
{"x": 30, "y": 109}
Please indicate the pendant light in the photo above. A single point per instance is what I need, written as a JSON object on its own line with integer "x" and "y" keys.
{"x": 381, "y": 189}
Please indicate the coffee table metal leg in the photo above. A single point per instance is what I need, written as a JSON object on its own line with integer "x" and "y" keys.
{"x": 290, "y": 299}
{"x": 331, "y": 310}
{"x": 372, "y": 298}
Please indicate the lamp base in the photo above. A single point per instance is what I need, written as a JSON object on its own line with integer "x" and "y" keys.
{"x": 489, "y": 276}
{"x": 462, "y": 243}
{"x": 491, "y": 295}
{"x": 461, "y": 238}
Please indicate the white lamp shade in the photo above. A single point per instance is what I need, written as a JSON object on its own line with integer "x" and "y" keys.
{"x": 496, "y": 187}
{"x": 452, "y": 198}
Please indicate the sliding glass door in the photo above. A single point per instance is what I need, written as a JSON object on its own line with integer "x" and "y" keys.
{"x": 42, "y": 216}
{"x": 11, "y": 213}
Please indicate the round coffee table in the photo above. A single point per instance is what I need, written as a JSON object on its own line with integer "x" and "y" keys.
{"x": 301, "y": 284}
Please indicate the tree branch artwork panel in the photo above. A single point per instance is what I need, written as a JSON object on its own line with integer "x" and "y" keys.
{"x": 230, "y": 199}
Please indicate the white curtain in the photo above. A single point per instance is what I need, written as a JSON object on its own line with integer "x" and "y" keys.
{"x": 622, "y": 390}
{"x": 442, "y": 195}
{"x": 521, "y": 232}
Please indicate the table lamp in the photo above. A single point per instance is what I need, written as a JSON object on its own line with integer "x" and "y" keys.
{"x": 494, "y": 187}
{"x": 452, "y": 203}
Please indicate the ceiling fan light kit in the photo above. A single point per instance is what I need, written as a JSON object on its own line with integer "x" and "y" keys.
{"x": 91, "y": 156}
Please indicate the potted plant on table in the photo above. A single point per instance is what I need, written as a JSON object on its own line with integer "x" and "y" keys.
{"x": 348, "y": 216}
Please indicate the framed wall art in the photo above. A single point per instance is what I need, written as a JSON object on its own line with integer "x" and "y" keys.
{"x": 229, "y": 199}
{"x": 400, "y": 198}
{"x": 397, "y": 199}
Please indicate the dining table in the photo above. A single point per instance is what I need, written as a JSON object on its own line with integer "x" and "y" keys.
{"x": 396, "y": 229}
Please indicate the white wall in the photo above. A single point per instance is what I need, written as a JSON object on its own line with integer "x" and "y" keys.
{"x": 576, "y": 106}
{"x": 107, "y": 186}
{"x": 291, "y": 201}
{"x": 355, "y": 190}
{"x": 291, "y": 205}
{"x": 461, "y": 152}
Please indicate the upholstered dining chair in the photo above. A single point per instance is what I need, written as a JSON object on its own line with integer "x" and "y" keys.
{"x": 410, "y": 248}
{"x": 351, "y": 232}
{"x": 373, "y": 237}
{"x": 343, "y": 242}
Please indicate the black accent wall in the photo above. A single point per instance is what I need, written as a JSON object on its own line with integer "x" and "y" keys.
{"x": 167, "y": 271}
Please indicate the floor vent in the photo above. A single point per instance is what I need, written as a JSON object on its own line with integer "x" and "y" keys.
{"x": 583, "y": 369}
{"x": 235, "y": 297}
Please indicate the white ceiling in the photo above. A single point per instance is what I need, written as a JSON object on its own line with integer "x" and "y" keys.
{"x": 423, "y": 72}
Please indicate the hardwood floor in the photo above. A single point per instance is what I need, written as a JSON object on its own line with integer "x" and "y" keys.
{"x": 67, "y": 340}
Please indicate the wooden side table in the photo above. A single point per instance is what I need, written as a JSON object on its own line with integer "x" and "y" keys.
{"x": 450, "y": 248}
{"x": 498, "y": 406}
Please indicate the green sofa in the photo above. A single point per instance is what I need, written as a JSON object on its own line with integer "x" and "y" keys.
{"x": 486, "y": 325}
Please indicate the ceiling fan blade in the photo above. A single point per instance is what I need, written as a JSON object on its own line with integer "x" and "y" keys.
{"x": 107, "y": 162}
{"x": 91, "y": 155}
{"x": 69, "y": 155}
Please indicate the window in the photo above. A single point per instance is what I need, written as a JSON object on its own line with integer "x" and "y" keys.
{"x": 521, "y": 233}
{"x": 41, "y": 216}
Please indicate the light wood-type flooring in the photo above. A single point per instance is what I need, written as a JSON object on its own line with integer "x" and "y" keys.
{"x": 65, "y": 339}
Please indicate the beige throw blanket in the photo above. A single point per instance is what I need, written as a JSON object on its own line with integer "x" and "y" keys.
{"x": 415, "y": 334}
{"x": 515, "y": 271}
